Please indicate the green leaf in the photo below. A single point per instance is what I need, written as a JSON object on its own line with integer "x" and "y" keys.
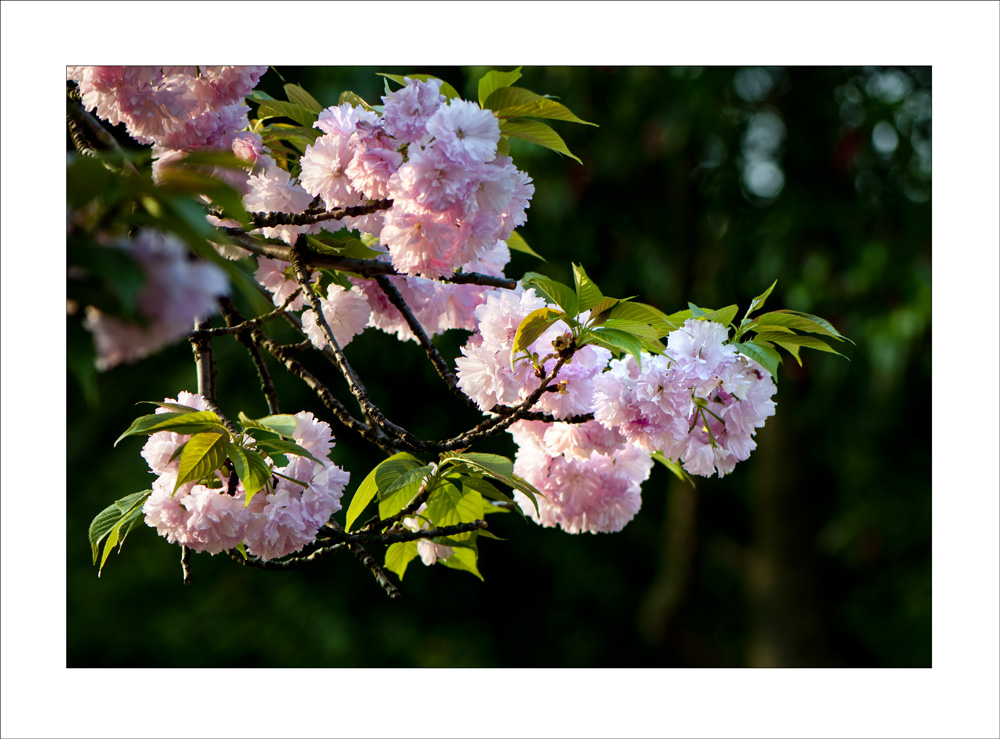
{"x": 587, "y": 293}
{"x": 250, "y": 468}
{"x": 636, "y": 328}
{"x": 503, "y": 146}
{"x": 809, "y": 342}
{"x": 399, "y": 555}
{"x": 516, "y": 102}
{"x": 697, "y": 312}
{"x": 802, "y": 322}
{"x": 179, "y": 423}
{"x": 115, "y": 522}
{"x": 203, "y": 454}
{"x": 362, "y": 497}
{"x": 281, "y": 446}
{"x": 516, "y": 242}
{"x": 105, "y": 520}
{"x": 302, "y": 98}
{"x": 488, "y": 490}
{"x": 270, "y": 108}
{"x": 449, "y": 505}
{"x": 395, "y": 495}
{"x": 677, "y": 319}
{"x": 533, "y": 326}
{"x": 447, "y": 90}
{"x": 724, "y": 316}
{"x": 602, "y": 311}
{"x": 617, "y": 341}
{"x": 281, "y": 424}
{"x": 354, "y": 99}
{"x": 494, "y": 80}
{"x": 791, "y": 349}
{"x": 632, "y": 311}
{"x": 343, "y": 247}
{"x": 764, "y": 354}
{"x": 494, "y": 464}
{"x": 538, "y": 133}
{"x": 758, "y": 302}
{"x": 176, "y": 407}
{"x": 560, "y": 294}
{"x": 464, "y": 559}
{"x": 674, "y": 467}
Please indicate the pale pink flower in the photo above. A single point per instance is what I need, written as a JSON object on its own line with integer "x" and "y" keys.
{"x": 324, "y": 170}
{"x": 407, "y": 110}
{"x": 346, "y": 312}
{"x": 464, "y": 132}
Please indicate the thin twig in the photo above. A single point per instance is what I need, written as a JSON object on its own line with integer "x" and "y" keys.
{"x": 248, "y": 324}
{"x": 371, "y": 411}
{"x": 360, "y": 267}
{"x": 444, "y": 372}
{"x": 186, "y": 564}
{"x": 284, "y": 564}
{"x": 399, "y": 536}
{"x": 270, "y": 220}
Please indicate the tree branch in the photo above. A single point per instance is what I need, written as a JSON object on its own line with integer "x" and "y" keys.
{"x": 360, "y": 267}
{"x": 399, "y": 536}
{"x": 269, "y": 220}
{"x": 444, "y": 372}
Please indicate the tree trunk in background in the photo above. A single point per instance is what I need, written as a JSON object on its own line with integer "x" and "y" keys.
{"x": 784, "y": 585}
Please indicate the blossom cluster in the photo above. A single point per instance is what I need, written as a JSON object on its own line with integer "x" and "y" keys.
{"x": 176, "y": 291}
{"x": 176, "y": 109}
{"x": 490, "y": 376}
{"x": 700, "y": 402}
{"x": 452, "y": 196}
{"x": 213, "y": 518}
{"x": 590, "y": 477}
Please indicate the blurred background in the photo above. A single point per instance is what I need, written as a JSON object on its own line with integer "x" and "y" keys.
{"x": 700, "y": 184}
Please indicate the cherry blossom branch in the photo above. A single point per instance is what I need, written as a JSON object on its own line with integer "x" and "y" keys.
{"x": 270, "y": 220}
{"x": 284, "y": 564}
{"x": 360, "y": 267}
{"x": 400, "y": 536}
{"x": 444, "y": 372}
{"x": 371, "y": 411}
{"x": 248, "y": 324}
{"x": 82, "y": 125}
{"x": 245, "y": 336}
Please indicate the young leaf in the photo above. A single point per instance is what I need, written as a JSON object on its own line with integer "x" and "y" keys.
{"x": 127, "y": 513}
{"x": 354, "y": 99}
{"x": 764, "y": 354}
{"x": 587, "y": 293}
{"x": 516, "y": 242}
{"x": 802, "y": 322}
{"x": 810, "y": 342}
{"x": 674, "y": 467}
{"x": 449, "y": 505}
{"x": 397, "y": 494}
{"x": 105, "y": 520}
{"x": 203, "y": 454}
{"x": 302, "y": 98}
{"x": 617, "y": 341}
{"x": 179, "y": 423}
{"x": 758, "y": 302}
{"x": 362, "y": 497}
{"x": 636, "y": 328}
{"x": 253, "y": 473}
{"x": 632, "y": 311}
{"x": 494, "y": 80}
{"x": 697, "y": 312}
{"x": 399, "y": 555}
{"x": 494, "y": 464}
{"x": 560, "y": 294}
{"x": 176, "y": 407}
{"x": 602, "y": 311}
{"x": 538, "y": 133}
{"x": 516, "y": 102}
{"x": 724, "y": 316}
{"x": 533, "y": 326}
{"x": 464, "y": 559}
{"x": 281, "y": 446}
